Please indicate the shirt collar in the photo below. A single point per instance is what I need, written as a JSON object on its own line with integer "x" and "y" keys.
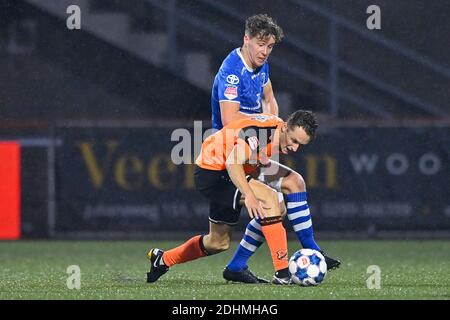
{"x": 238, "y": 51}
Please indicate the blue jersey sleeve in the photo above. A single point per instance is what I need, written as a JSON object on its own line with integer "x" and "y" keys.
{"x": 229, "y": 86}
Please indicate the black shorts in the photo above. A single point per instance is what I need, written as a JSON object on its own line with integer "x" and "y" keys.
{"x": 222, "y": 194}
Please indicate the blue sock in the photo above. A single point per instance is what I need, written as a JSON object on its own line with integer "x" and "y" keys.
{"x": 251, "y": 241}
{"x": 300, "y": 218}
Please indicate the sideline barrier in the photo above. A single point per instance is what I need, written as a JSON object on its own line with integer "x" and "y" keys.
{"x": 10, "y": 219}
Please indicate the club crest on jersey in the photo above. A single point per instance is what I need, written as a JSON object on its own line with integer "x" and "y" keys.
{"x": 231, "y": 92}
{"x": 253, "y": 142}
{"x": 233, "y": 79}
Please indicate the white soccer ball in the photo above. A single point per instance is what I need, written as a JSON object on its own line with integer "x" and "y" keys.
{"x": 307, "y": 267}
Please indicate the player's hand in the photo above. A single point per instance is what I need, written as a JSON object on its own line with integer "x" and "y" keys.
{"x": 264, "y": 160}
{"x": 255, "y": 208}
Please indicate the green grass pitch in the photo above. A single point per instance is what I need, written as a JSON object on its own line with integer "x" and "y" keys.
{"x": 117, "y": 270}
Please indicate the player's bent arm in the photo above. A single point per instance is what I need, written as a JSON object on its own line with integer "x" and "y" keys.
{"x": 270, "y": 104}
{"x": 229, "y": 112}
{"x": 235, "y": 168}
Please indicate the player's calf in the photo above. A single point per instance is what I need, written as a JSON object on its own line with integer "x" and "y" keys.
{"x": 215, "y": 245}
{"x": 161, "y": 261}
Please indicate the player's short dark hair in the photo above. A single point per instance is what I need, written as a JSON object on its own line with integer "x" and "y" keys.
{"x": 305, "y": 119}
{"x": 262, "y": 26}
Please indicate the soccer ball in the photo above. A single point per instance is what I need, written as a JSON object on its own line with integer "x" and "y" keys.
{"x": 307, "y": 267}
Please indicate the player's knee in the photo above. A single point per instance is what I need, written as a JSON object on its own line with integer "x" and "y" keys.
{"x": 294, "y": 182}
{"x": 270, "y": 198}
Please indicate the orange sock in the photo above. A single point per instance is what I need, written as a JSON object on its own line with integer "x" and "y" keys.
{"x": 275, "y": 235}
{"x": 190, "y": 250}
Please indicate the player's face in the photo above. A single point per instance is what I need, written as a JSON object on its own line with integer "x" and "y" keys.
{"x": 292, "y": 139}
{"x": 258, "y": 49}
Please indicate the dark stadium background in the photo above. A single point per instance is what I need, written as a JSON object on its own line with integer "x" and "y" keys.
{"x": 93, "y": 111}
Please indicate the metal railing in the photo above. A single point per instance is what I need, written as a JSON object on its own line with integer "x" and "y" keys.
{"x": 336, "y": 65}
{"x": 336, "y": 20}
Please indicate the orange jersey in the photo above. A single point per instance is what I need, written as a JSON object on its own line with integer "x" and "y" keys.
{"x": 252, "y": 133}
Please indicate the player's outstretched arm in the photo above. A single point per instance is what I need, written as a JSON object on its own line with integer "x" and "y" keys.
{"x": 229, "y": 112}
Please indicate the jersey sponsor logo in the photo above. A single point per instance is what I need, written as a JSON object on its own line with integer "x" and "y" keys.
{"x": 233, "y": 79}
{"x": 253, "y": 142}
{"x": 231, "y": 92}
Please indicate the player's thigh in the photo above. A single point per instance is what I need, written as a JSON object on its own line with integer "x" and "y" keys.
{"x": 273, "y": 174}
{"x": 223, "y": 196}
{"x": 282, "y": 178}
{"x": 218, "y": 239}
{"x": 220, "y": 232}
{"x": 267, "y": 195}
